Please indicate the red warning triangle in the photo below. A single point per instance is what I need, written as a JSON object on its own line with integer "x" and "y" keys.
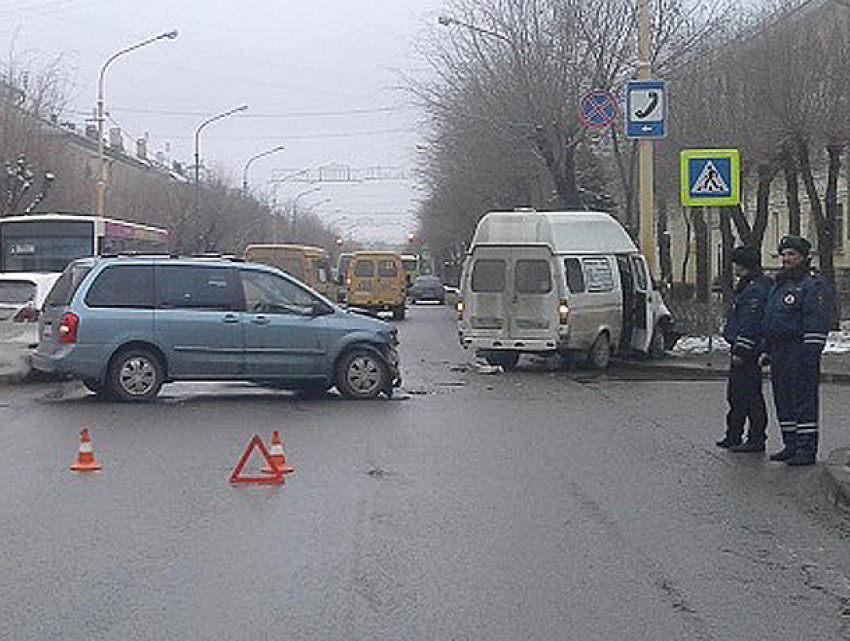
{"x": 265, "y": 478}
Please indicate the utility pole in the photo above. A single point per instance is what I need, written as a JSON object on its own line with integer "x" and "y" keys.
{"x": 646, "y": 187}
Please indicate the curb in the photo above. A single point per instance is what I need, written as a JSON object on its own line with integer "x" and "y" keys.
{"x": 837, "y": 476}
{"x": 708, "y": 372}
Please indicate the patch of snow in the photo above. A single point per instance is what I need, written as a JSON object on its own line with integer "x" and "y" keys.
{"x": 837, "y": 342}
{"x": 700, "y": 345}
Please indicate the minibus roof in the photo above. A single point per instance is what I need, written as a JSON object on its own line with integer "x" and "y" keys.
{"x": 564, "y": 231}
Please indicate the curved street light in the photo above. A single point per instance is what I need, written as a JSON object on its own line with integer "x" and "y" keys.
{"x": 251, "y": 160}
{"x": 295, "y": 206}
{"x": 448, "y": 21}
{"x": 200, "y": 128}
{"x": 101, "y": 177}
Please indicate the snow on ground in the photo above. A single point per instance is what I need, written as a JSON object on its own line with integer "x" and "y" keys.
{"x": 838, "y": 342}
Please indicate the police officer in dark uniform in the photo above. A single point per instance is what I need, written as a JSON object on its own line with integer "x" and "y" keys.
{"x": 796, "y": 323}
{"x": 743, "y": 332}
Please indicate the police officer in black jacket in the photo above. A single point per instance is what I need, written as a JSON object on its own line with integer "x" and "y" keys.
{"x": 743, "y": 332}
{"x": 796, "y": 323}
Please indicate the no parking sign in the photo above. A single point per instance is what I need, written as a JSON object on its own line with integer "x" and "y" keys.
{"x": 597, "y": 108}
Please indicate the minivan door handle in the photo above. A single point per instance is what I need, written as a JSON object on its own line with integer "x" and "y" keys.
{"x": 230, "y": 318}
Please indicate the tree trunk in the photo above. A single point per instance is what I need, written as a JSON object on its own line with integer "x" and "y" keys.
{"x": 766, "y": 173}
{"x": 824, "y": 222}
{"x": 742, "y": 225}
{"x": 627, "y": 178}
{"x": 663, "y": 242}
{"x": 559, "y": 156}
{"x": 792, "y": 194}
{"x": 688, "y": 234}
{"x": 826, "y": 227}
{"x": 728, "y": 243}
{"x": 703, "y": 284}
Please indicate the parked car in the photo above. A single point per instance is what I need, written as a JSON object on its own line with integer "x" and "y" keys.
{"x": 126, "y": 325}
{"x": 21, "y": 298}
{"x": 427, "y": 288}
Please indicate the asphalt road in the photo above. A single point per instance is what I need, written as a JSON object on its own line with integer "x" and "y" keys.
{"x": 536, "y": 504}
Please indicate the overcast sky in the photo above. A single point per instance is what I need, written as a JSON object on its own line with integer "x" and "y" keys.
{"x": 321, "y": 77}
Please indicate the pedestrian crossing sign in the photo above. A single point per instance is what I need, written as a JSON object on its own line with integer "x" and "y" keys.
{"x": 710, "y": 177}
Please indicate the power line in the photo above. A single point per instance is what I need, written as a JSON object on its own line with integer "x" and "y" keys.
{"x": 291, "y": 114}
{"x": 353, "y": 134}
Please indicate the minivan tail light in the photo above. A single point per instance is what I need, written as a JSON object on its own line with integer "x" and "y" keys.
{"x": 26, "y": 314}
{"x": 564, "y": 312}
{"x": 68, "y": 327}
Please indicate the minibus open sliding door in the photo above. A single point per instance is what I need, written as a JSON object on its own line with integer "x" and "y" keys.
{"x": 642, "y": 329}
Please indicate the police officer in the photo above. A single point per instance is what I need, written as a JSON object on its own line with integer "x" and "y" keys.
{"x": 743, "y": 332}
{"x": 796, "y": 323}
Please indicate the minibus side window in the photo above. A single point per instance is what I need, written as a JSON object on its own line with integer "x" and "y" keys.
{"x": 532, "y": 277}
{"x": 575, "y": 277}
{"x": 600, "y": 278}
{"x": 488, "y": 276}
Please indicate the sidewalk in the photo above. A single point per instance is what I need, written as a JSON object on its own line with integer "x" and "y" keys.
{"x": 835, "y": 366}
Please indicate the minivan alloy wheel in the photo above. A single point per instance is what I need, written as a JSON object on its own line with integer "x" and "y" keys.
{"x": 136, "y": 375}
{"x": 361, "y": 374}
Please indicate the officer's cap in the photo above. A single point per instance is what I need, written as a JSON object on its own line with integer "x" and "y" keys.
{"x": 748, "y": 257}
{"x": 797, "y": 243}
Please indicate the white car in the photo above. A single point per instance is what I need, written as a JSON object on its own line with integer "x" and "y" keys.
{"x": 21, "y": 298}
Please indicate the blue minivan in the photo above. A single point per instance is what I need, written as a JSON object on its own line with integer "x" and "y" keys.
{"x": 126, "y": 325}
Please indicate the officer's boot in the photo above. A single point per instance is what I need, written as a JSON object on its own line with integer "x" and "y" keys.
{"x": 728, "y": 442}
{"x": 789, "y": 449}
{"x": 807, "y": 448}
{"x": 749, "y": 446}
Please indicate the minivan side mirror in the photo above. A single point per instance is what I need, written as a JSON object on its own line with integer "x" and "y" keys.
{"x": 318, "y": 308}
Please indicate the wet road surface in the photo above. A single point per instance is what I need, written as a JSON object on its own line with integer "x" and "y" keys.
{"x": 535, "y": 504}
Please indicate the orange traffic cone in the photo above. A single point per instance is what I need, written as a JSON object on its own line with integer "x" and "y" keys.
{"x": 85, "y": 457}
{"x": 277, "y": 457}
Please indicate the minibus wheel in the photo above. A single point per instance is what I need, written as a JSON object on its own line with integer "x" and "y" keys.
{"x": 657, "y": 344}
{"x": 508, "y": 360}
{"x": 600, "y": 354}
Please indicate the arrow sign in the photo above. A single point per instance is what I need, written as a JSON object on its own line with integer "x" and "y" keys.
{"x": 646, "y": 109}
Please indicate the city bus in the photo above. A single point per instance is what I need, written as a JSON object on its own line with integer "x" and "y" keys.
{"x": 48, "y": 242}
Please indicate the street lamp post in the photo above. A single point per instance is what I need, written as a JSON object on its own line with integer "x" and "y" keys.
{"x": 206, "y": 122}
{"x": 295, "y": 207}
{"x": 101, "y": 172}
{"x": 448, "y": 21}
{"x": 251, "y": 160}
